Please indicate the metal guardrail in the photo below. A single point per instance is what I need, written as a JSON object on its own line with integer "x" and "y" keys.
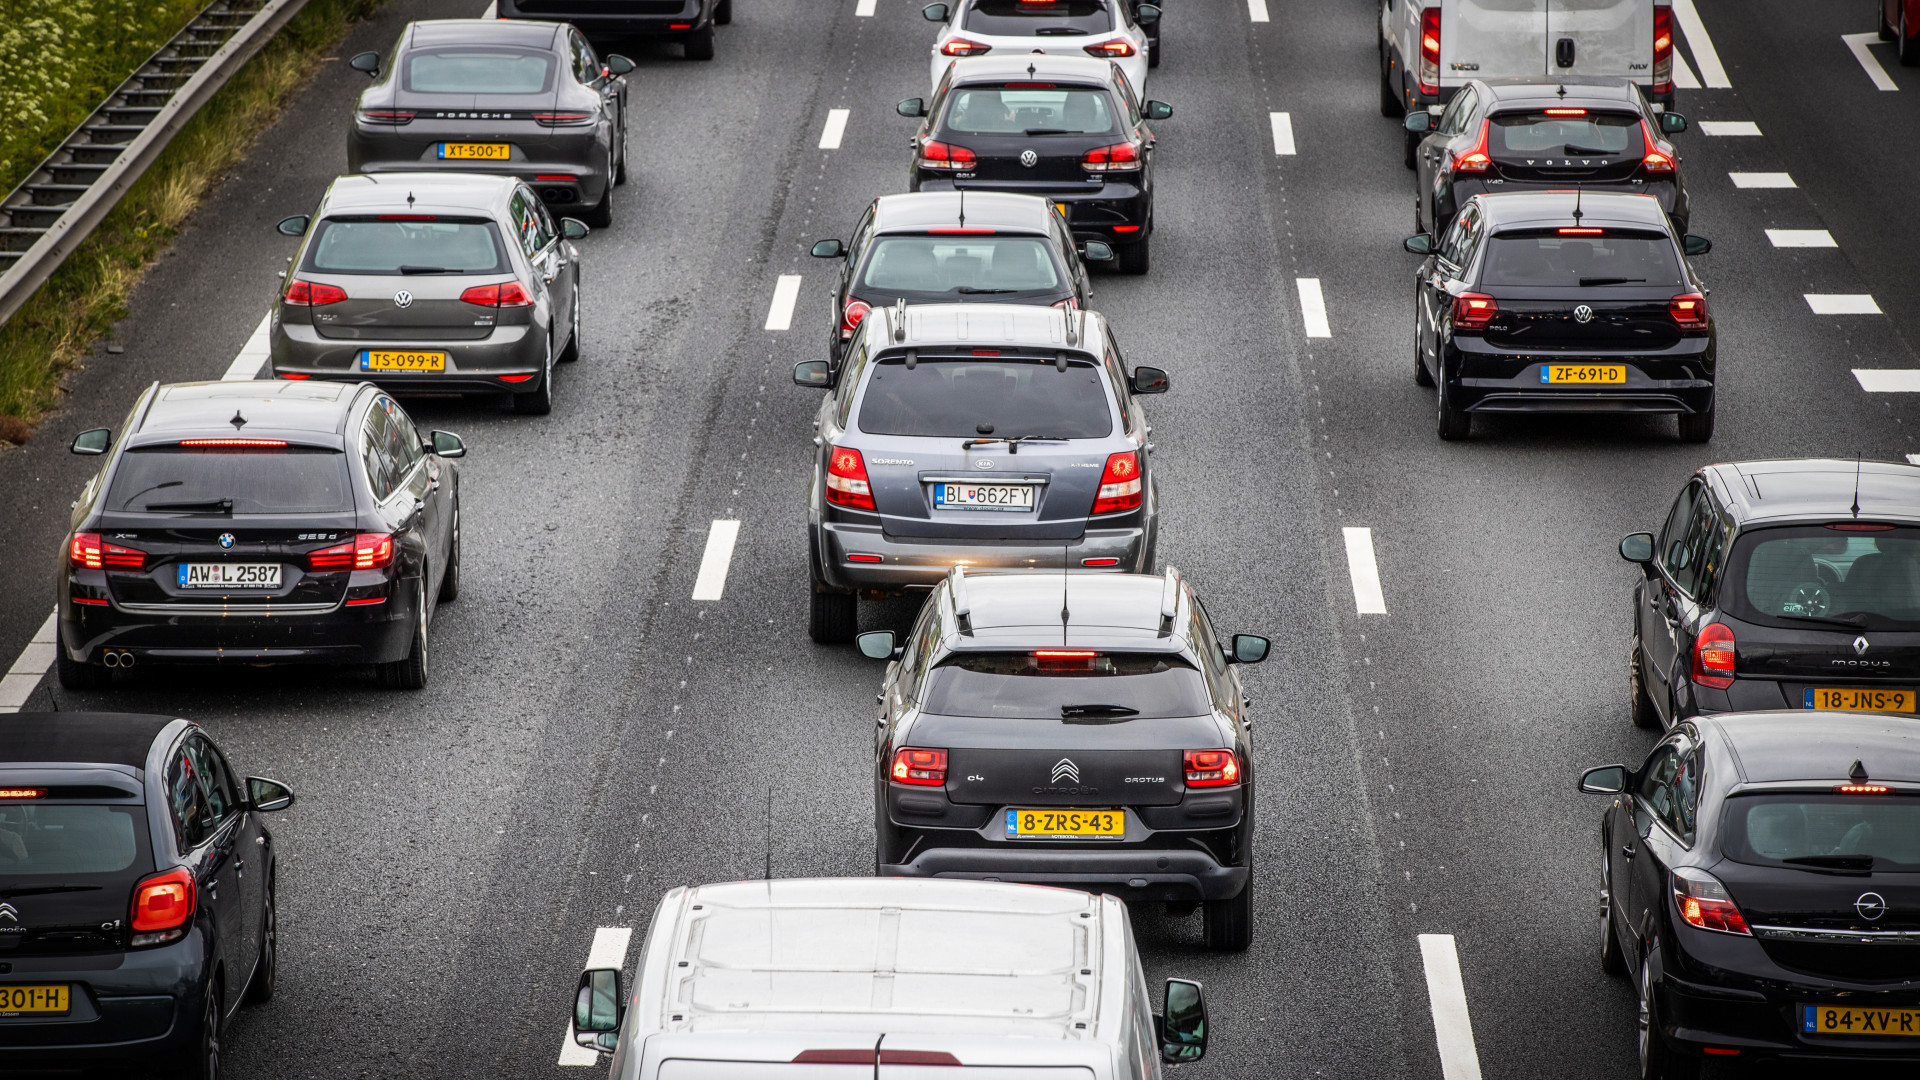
{"x": 65, "y": 198}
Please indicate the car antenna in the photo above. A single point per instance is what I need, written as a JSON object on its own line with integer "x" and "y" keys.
{"x": 1066, "y": 579}
{"x": 767, "y": 874}
{"x": 409, "y": 200}
{"x": 1577, "y": 191}
{"x": 900, "y": 320}
{"x": 876, "y": 1054}
{"x": 963, "y": 208}
{"x": 238, "y": 421}
{"x": 1857, "y": 774}
{"x": 1563, "y": 90}
{"x": 1030, "y": 69}
{"x": 1856, "y": 483}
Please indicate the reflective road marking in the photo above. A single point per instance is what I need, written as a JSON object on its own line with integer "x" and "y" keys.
{"x": 1728, "y": 127}
{"x": 1869, "y": 62}
{"x": 836, "y": 127}
{"x": 785, "y": 294}
{"x": 1801, "y": 238}
{"x": 1365, "y": 572}
{"x": 864, "y": 8}
{"x": 712, "y": 579}
{"x": 1711, "y": 73}
{"x": 1761, "y": 179}
{"x": 1313, "y": 307}
{"x": 1842, "y": 304}
{"x": 1282, "y": 132}
{"x": 1257, "y": 10}
{"x": 1888, "y": 380}
{"x": 609, "y": 951}
{"x": 1447, "y": 995}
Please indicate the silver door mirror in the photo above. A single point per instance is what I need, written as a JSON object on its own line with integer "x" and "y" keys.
{"x": 1419, "y": 122}
{"x": 616, "y": 64}
{"x": 813, "y": 373}
{"x": 267, "y": 795}
{"x": 574, "y": 228}
{"x": 447, "y": 444}
{"x": 1605, "y": 780}
{"x": 368, "y": 62}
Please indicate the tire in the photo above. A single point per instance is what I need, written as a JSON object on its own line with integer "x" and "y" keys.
{"x": 267, "y": 971}
{"x": 78, "y": 674}
{"x": 410, "y": 672}
{"x": 1228, "y": 924}
{"x": 539, "y": 400}
{"x": 1644, "y": 714}
{"x": 723, "y": 13}
{"x": 572, "y": 352}
{"x": 1613, "y": 959}
{"x": 1153, "y": 51}
{"x": 620, "y": 163}
{"x": 699, "y": 45}
{"x": 1909, "y": 48}
{"x": 1454, "y": 424}
{"x": 1696, "y": 427}
{"x": 601, "y": 215}
{"x": 1412, "y": 142}
{"x": 450, "y": 579}
{"x": 1421, "y": 376}
{"x": 202, "y": 1062}
{"x": 833, "y": 618}
{"x": 1133, "y": 258}
{"x": 1390, "y": 104}
{"x": 1880, "y": 19}
{"x": 1658, "y": 1061}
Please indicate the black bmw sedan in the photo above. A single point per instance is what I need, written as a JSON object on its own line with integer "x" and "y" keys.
{"x": 1563, "y": 302}
{"x": 260, "y": 523}
{"x": 1068, "y": 129}
{"x": 1760, "y": 884}
{"x": 137, "y": 889}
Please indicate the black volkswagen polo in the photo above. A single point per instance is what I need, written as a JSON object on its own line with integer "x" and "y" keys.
{"x": 260, "y": 523}
{"x": 1760, "y": 883}
{"x": 1065, "y": 128}
{"x": 137, "y": 893}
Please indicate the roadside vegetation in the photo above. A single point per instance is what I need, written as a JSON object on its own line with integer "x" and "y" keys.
{"x": 80, "y": 302}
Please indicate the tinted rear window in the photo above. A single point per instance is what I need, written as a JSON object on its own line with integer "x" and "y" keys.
{"x": 1028, "y": 685}
{"x": 486, "y": 69}
{"x": 1549, "y": 258}
{"x": 962, "y": 265}
{"x": 66, "y": 839}
{"x": 280, "y": 480}
{"x": 1870, "y": 579}
{"x": 1538, "y": 135}
{"x": 358, "y": 246}
{"x": 966, "y": 399}
{"x": 1018, "y": 17}
{"x": 992, "y": 110}
{"x": 1770, "y": 829}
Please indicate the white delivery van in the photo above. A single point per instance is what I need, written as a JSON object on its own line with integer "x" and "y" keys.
{"x": 887, "y": 979}
{"x": 1428, "y": 48}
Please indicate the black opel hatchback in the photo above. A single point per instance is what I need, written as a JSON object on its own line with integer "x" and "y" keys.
{"x": 136, "y": 894}
{"x": 1780, "y": 585}
{"x": 1760, "y": 882}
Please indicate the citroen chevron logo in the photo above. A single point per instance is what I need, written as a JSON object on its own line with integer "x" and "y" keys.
{"x": 1066, "y": 769}
{"x": 9, "y": 913}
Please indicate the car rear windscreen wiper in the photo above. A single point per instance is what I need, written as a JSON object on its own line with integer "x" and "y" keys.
{"x": 221, "y": 506}
{"x": 423, "y": 269}
{"x": 1610, "y": 280}
{"x": 1849, "y": 623}
{"x": 971, "y": 291}
{"x": 1053, "y": 131}
{"x": 1845, "y": 863}
{"x": 1097, "y": 710}
{"x": 1056, "y": 31}
{"x": 1013, "y": 444}
{"x": 1572, "y": 149}
{"x": 36, "y": 890}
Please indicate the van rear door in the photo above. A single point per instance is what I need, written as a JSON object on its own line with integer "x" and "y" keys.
{"x": 1492, "y": 39}
{"x": 1600, "y": 37}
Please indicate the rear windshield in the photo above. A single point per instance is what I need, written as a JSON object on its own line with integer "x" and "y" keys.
{"x": 1870, "y": 580}
{"x": 992, "y": 110}
{"x": 406, "y": 247}
{"x": 1772, "y": 829}
{"x": 1074, "y": 687}
{"x": 195, "y": 480}
{"x": 65, "y": 839}
{"x": 1019, "y": 17}
{"x": 1538, "y": 135}
{"x": 485, "y": 69}
{"x": 966, "y": 399}
{"x": 960, "y": 265}
{"x": 1550, "y": 258}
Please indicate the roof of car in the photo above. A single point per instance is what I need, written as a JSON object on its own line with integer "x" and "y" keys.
{"x": 417, "y": 192}
{"x": 1021, "y": 610}
{"x": 1530, "y": 208}
{"x": 921, "y": 210}
{"x": 1817, "y": 489}
{"x": 89, "y": 737}
{"x": 1771, "y": 747}
{"x": 972, "y": 69}
{"x": 1572, "y": 91}
{"x": 482, "y": 31}
{"x": 1020, "y": 325}
{"x": 314, "y": 411}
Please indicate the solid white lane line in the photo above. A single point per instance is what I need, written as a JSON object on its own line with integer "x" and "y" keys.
{"x": 1761, "y": 180}
{"x": 1282, "y": 132}
{"x": 1913, "y": 459}
{"x": 1364, "y": 571}
{"x": 836, "y": 127}
{"x": 712, "y": 579}
{"x": 1728, "y": 127}
{"x": 253, "y": 355}
{"x": 492, "y": 12}
{"x": 864, "y": 8}
{"x": 1801, "y": 238}
{"x": 1869, "y": 62}
{"x": 785, "y": 294}
{"x": 609, "y": 951}
{"x": 1447, "y": 996}
{"x": 1842, "y": 304}
{"x": 1711, "y": 73}
{"x": 1313, "y": 307}
{"x": 1683, "y": 76}
{"x": 34, "y": 660}
{"x": 1257, "y": 10}
{"x": 1888, "y": 380}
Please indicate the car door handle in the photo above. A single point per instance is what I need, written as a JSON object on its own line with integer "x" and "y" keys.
{"x": 1628, "y": 850}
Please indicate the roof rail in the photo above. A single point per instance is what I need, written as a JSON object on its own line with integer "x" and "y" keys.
{"x": 1169, "y": 600}
{"x": 957, "y": 590}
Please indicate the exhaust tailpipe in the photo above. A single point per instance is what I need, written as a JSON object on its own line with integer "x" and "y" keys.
{"x": 111, "y": 659}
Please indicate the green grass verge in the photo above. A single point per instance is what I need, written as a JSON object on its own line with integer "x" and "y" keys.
{"x": 80, "y": 302}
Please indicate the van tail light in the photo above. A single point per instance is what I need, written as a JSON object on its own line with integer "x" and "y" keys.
{"x": 1689, "y": 311}
{"x": 963, "y": 47}
{"x": 387, "y": 116}
{"x": 1473, "y": 311}
{"x": 502, "y": 294}
{"x": 1476, "y": 158}
{"x": 1657, "y": 160}
{"x": 919, "y": 766}
{"x": 1430, "y": 51}
{"x": 850, "y": 318}
{"x": 1120, "y": 157}
{"x": 847, "y": 479}
{"x": 162, "y": 907}
{"x": 938, "y": 155}
{"x": 1704, "y": 902}
{"x": 313, "y": 293}
{"x": 367, "y": 551}
{"x": 1119, "y": 484}
{"x": 1212, "y": 768}
{"x": 1713, "y": 655}
{"x": 1662, "y": 50}
{"x": 1113, "y": 50}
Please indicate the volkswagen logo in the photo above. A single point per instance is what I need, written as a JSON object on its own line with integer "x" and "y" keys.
{"x": 1860, "y": 645}
{"x": 1065, "y": 769}
{"x": 983, "y": 464}
{"x": 403, "y": 298}
{"x": 1029, "y": 158}
{"x": 226, "y": 540}
{"x": 9, "y": 913}
{"x": 1870, "y": 905}
{"x": 1583, "y": 314}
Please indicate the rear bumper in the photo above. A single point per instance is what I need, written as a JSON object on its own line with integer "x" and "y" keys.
{"x": 1137, "y": 875}
{"x": 1119, "y": 212}
{"x": 910, "y": 563}
{"x": 472, "y": 366}
{"x": 585, "y": 173}
{"x": 677, "y": 21}
{"x": 126, "y": 1007}
{"x": 1486, "y": 380}
{"x": 373, "y": 634}
{"x": 1768, "y": 1025}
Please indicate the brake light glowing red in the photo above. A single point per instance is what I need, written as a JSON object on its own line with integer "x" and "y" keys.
{"x": 1580, "y": 232}
{"x": 961, "y": 232}
{"x": 163, "y": 902}
{"x": 1657, "y": 160}
{"x": 938, "y": 155}
{"x": 1212, "y": 768}
{"x": 233, "y": 442}
{"x": 1662, "y": 50}
{"x": 963, "y": 47}
{"x": 1430, "y": 51}
{"x": 850, "y": 318}
{"x": 1566, "y": 112}
{"x": 1689, "y": 311}
{"x": 22, "y": 792}
{"x": 83, "y": 551}
{"x": 502, "y": 294}
{"x": 1473, "y": 311}
{"x": 409, "y": 217}
{"x": 1065, "y": 654}
{"x": 313, "y": 293}
{"x": 1705, "y": 903}
{"x": 367, "y": 551}
{"x": 1859, "y": 526}
{"x": 918, "y": 766}
{"x": 1119, "y": 484}
{"x": 1110, "y": 49}
{"x": 294, "y": 375}
{"x": 1843, "y": 789}
{"x": 847, "y": 479}
{"x": 1476, "y": 158}
{"x": 1120, "y": 157}
{"x": 864, "y": 558}
{"x": 1713, "y": 657}
{"x": 1107, "y": 561}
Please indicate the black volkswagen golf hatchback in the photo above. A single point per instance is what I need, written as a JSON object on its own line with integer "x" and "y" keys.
{"x": 260, "y": 523}
{"x": 136, "y": 894}
{"x": 1760, "y": 883}
{"x": 1780, "y": 585}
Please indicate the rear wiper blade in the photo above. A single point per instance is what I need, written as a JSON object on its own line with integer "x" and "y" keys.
{"x": 1051, "y": 131}
{"x": 223, "y": 506}
{"x": 1851, "y": 623}
{"x": 423, "y": 269}
{"x": 1572, "y": 149}
{"x": 35, "y": 890}
{"x": 1013, "y": 444}
{"x": 1056, "y": 31}
{"x": 1856, "y": 863}
{"x": 1097, "y": 710}
{"x": 971, "y": 291}
{"x": 1610, "y": 280}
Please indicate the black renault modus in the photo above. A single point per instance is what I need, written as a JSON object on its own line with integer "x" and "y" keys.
{"x": 136, "y": 894}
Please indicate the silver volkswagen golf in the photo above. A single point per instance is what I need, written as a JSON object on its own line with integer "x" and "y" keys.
{"x": 431, "y": 282}
{"x": 976, "y": 435}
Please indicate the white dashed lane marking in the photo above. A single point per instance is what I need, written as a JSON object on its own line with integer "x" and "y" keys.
{"x": 864, "y": 9}
{"x": 1761, "y": 180}
{"x": 1712, "y": 74}
{"x": 1447, "y": 996}
{"x": 1257, "y": 10}
{"x": 1842, "y": 304}
{"x": 1869, "y": 62}
{"x": 712, "y": 579}
{"x": 785, "y": 294}
{"x": 1913, "y": 459}
{"x": 34, "y": 660}
{"x": 1801, "y": 238}
{"x": 836, "y": 127}
{"x": 1728, "y": 127}
{"x": 609, "y": 951}
{"x": 1365, "y": 572}
{"x": 1888, "y": 381}
{"x": 1313, "y": 307}
{"x": 1282, "y": 132}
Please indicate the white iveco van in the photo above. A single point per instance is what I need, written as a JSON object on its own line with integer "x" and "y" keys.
{"x": 1428, "y": 48}
{"x": 887, "y": 979}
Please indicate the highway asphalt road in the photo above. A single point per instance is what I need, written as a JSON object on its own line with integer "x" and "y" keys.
{"x": 593, "y": 736}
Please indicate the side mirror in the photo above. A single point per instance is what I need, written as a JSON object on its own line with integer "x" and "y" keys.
{"x": 1249, "y": 649}
{"x": 573, "y": 228}
{"x": 1156, "y": 110}
{"x": 828, "y": 249}
{"x": 598, "y": 1007}
{"x": 1183, "y": 1028}
{"x": 617, "y": 64}
{"x": 1150, "y": 380}
{"x": 1637, "y": 547}
{"x": 267, "y": 795}
{"x": 1420, "y": 121}
{"x": 447, "y": 444}
{"x": 934, "y": 12}
{"x": 1697, "y": 245}
{"x": 1605, "y": 780}
{"x": 1418, "y": 244}
{"x": 368, "y": 62}
{"x": 877, "y": 645}
{"x": 293, "y": 226}
{"x": 1147, "y": 15}
{"x": 913, "y": 106}
{"x": 92, "y": 442}
{"x": 814, "y": 373}
{"x": 1097, "y": 251}
{"x": 1672, "y": 123}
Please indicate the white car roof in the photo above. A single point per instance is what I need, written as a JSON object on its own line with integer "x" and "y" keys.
{"x": 986, "y": 325}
